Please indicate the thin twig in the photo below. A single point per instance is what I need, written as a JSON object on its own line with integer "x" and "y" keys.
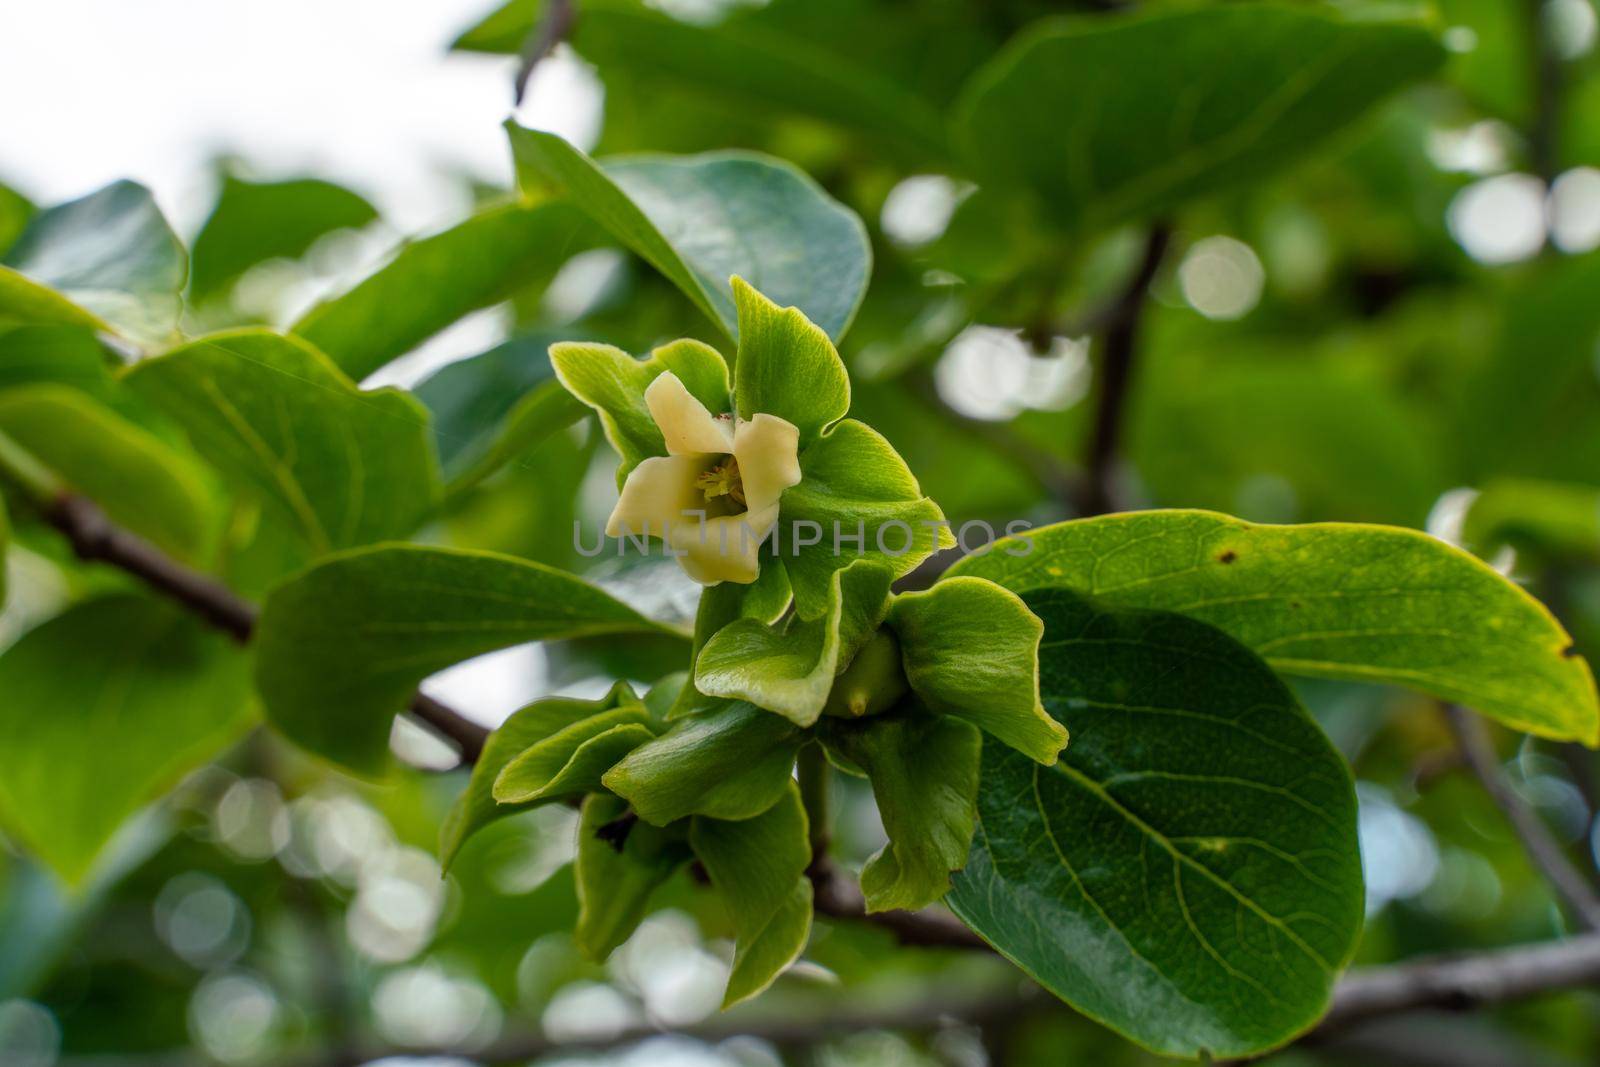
{"x": 551, "y": 29}
{"x": 1462, "y": 982}
{"x": 95, "y": 538}
{"x": 1119, "y": 346}
{"x": 1542, "y": 848}
{"x": 1544, "y": 145}
{"x": 1454, "y": 982}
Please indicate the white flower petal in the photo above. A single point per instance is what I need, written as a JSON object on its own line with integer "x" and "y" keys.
{"x": 768, "y": 451}
{"x": 657, "y": 493}
{"x": 685, "y": 423}
{"x": 725, "y": 549}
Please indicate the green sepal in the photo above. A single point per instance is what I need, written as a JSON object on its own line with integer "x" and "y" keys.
{"x": 791, "y": 670}
{"x": 732, "y": 762}
{"x": 971, "y": 648}
{"x": 924, "y": 773}
{"x": 612, "y": 382}
{"x": 762, "y": 601}
{"x": 852, "y": 476}
{"x": 571, "y": 761}
{"x": 476, "y": 807}
{"x": 786, "y": 366}
{"x": 614, "y": 883}
{"x": 758, "y": 867}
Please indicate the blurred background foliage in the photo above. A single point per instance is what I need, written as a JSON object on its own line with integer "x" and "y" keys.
{"x": 1403, "y": 327}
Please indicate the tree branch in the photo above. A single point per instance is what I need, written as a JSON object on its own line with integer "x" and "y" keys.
{"x": 552, "y": 28}
{"x": 1544, "y": 153}
{"x": 1462, "y": 982}
{"x": 1450, "y": 982}
{"x": 1119, "y": 347}
{"x": 95, "y": 538}
{"x": 1542, "y": 848}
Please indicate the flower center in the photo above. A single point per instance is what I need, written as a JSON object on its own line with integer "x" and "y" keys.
{"x": 722, "y": 480}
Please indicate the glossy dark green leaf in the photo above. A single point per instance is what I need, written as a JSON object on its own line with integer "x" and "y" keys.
{"x": 257, "y": 221}
{"x": 759, "y": 867}
{"x": 924, "y": 772}
{"x": 615, "y": 880}
{"x": 333, "y": 466}
{"x": 434, "y": 281}
{"x": 341, "y": 647}
{"x": 106, "y": 261}
{"x": 476, "y": 807}
{"x": 700, "y": 220}
{"x": 1188, "y": 873}
{"x": 1076, "y": 110}
{"x": 140, "y": 480}
{"x": 65, "y": 355}
{"x": 106, "y": 706}
{"x": 732, "y": 762}
{"x": 1331, "y": 600}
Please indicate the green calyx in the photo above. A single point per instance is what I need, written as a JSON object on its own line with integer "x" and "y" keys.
{"x": 873, "y": 682}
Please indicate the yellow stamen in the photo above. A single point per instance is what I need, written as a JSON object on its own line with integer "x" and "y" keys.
{"x": 723, "y": 480}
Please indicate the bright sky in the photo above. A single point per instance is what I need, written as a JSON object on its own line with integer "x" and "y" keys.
{"x": 359, "y": 91}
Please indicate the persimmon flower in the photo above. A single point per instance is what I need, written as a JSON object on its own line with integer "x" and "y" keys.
{"x": 714, "y": 496}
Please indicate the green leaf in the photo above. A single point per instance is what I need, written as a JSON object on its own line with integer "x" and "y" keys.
{"x": 759, "y": 867}
{"x": 854, "y": 482}
{"x": 334, "y": 466}
{"x": 434, "y": 281}
{"x": 15, "y": 211}
{"x": 614, "y": 884}
{"x": 572, "y": 760}
{"x": 139, "y": 480}
{"x": 699, "y": 220}
{"x": 493, "y": 408}
{"x": 738, "y": 59}
{"x": 1331, "y": 600}
{"x": 791, "y": 670}
{"x": 733, "y": 762}
{"x": 612, "y": 382}
{"x": 1188, "y": 874}
{"x": 1076, "y": 110}
{"x": 971, "y": 649}
{"x": 66, "y": 355}
{"x": 476, "y": 807}
{"x": 924, "y": 772}
{"x": 786, "y": 366}
{"x": 341, "y": 647}
{"x": 106, "y": 261}
{"x": 1553, "y": 520}
{"x": 257, "y": 221}
{"x": 107, "y": 706}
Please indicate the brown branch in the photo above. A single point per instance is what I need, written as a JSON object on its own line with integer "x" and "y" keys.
{"x": 1543, "y": 850}
{"x": 1119, "y": 346}
{"x": 95, "y": 538}
{"x": 1459, "y": 982}
{"x": 1463, "y": 982}
{"x": 552, "y": 28}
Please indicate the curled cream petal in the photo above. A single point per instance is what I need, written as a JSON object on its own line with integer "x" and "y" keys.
{"x": 768, "y": 451}
{"x": 657, "y": 493}
{"x": 724, "y": 549}
{"x": 685, "y": 423}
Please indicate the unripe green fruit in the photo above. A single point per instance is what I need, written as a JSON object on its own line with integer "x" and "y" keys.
{"x": 873, "y": 682}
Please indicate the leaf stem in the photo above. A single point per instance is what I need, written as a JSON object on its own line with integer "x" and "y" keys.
{"x": 552, "y": 28}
